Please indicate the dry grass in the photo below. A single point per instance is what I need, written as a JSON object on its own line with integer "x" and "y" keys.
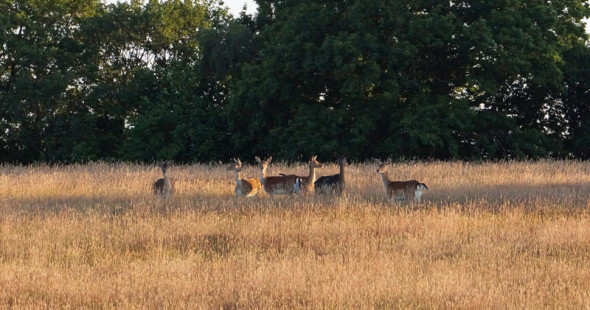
{"x": 490, "y": 235}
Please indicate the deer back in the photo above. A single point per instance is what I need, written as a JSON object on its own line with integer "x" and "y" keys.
{"x": 280, "y": 184}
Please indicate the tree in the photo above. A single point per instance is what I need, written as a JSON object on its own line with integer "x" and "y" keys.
{"x": 179, "y": 101}
{"x": 467, "y": 79}
{"x": 75, "y": 77}
{"x": 38, "y": 62}
{"x": 573, "y": 102}
{"x": 150, "y": 80}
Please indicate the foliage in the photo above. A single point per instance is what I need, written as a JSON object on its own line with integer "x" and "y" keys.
{"x": 184, "y": 80}
{"x": 433, "y": 80}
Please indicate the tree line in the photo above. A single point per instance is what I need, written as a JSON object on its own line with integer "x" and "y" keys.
{"x": 81, "y": 80}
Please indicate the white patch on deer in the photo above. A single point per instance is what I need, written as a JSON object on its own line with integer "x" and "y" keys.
{"x": 297, "y": 186}
{"x": 419, "y": 190}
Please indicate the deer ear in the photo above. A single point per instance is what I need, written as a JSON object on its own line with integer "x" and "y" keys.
{"x": 314, "y": 157}
{"x": 268, "y": 160}
{"x": 257, "y": 159}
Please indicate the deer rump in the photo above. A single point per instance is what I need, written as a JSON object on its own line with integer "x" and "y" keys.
{"x": 284, "y": 184}
{"x": 329, "y": 183}
{"x": 402, "y": 190}
{"x": 160, "y": 187}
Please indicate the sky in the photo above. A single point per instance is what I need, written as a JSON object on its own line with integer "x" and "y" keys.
{"x": 235, "y": 6}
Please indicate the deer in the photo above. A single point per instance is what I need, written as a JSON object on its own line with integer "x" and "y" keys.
{"x": 275, "y": 185}
{"x": 332, "y": 183}
{"x": 244, "y": 187}
{"x": 164, "y": 186}
{"x": 400, "y": 190}
{"x": 304, "y": 185}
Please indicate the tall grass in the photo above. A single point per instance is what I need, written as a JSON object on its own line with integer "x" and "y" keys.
{"x": 487, "y": 235}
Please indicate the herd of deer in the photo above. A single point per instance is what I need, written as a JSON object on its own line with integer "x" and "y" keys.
{"x": 294, "y": 184}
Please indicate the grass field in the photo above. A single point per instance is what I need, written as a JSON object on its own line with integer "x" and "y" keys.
{"x": 486, "y": 235}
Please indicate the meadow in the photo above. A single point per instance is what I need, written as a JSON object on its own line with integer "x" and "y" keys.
{"x": 486, "y": 235}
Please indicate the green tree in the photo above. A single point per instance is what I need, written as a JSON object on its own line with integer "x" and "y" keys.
{"x": 420, "y": 78}
{"x": 38, "y": 84}
{"x": 178, "y": 101}
{"x": 573, "y": 102}
{"x": 75, "y": 77}
{"x": 150, "y": 80}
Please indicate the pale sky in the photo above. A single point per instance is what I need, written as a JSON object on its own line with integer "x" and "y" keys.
{"x": 235, "y": 6}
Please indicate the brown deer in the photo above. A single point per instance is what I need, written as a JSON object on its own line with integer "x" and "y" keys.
{"x": 165, "y": 185}
{"x": 302, "y": 184}
{"x": 275, "y": 185}
{"x": 332, "y": 183}
{"x": 400, "y": 190}
{"x": 244, "y": 187}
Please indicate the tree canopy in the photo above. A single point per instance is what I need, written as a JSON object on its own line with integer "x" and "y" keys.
{"x": 184, "y": 80}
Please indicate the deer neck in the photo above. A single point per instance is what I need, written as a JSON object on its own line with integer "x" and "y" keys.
{"x": 341, "y": 173}
{"x": 167, "y": 183}
{"x": 262, "y": 175}
{"x": 385, "y": 178}
{"x": 311, "y": 174}
{"x": 238, "y": 176}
